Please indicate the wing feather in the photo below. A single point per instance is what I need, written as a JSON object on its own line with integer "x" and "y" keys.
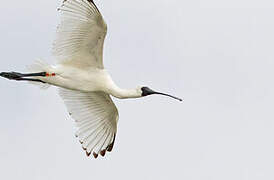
{"x": 96, "y": 118}
{"x": 80, "y": 35}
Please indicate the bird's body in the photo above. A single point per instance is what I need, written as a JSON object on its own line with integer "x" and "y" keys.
{"x": 74, "y": 78}
{"x": 84, "y": 84}
{"x": 87, "y": 80}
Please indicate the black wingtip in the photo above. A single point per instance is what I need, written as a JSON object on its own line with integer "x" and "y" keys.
{"x": 110, "y": 147}
{"x": 88, "y": 154}
{"x": 103, "y": 152}
{"x": 95, "y": 155}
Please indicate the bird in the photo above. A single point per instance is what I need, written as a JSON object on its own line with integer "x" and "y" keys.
{"x": 79, "y": 74}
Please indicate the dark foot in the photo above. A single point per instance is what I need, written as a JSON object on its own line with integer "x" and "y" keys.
{"x": 17, "y": 76}
{"x": 11, "y": 75}
{"x": 20, "y": 77}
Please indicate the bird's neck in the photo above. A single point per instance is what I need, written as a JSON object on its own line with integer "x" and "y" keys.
{"x": 125, "y": 93}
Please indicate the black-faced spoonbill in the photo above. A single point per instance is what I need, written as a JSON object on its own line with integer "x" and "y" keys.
{"x": 84, "y": 84}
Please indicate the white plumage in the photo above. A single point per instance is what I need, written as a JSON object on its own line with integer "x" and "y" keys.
{"x": 84, "y": 84}
{"x": 79, "y": 45}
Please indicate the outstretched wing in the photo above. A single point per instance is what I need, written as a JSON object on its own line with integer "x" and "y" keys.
{"x": 80, "y": 35}
{"x": 96, "y": 117}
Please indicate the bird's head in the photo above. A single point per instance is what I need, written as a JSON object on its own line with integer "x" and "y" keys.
{"x": 147, "y": 91}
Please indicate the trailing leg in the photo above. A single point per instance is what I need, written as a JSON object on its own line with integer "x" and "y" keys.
{"x": 22, "y": 77}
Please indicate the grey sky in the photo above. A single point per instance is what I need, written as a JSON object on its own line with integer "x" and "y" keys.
{"x": 217, "y": 55}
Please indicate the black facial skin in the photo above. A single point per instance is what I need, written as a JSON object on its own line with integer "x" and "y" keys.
{"x": 147, "y": 91}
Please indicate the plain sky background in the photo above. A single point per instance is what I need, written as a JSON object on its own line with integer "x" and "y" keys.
{"x": 217, "y": 55}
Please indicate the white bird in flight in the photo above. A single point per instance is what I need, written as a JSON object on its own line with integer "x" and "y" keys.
{"x": 84, "y": 84}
